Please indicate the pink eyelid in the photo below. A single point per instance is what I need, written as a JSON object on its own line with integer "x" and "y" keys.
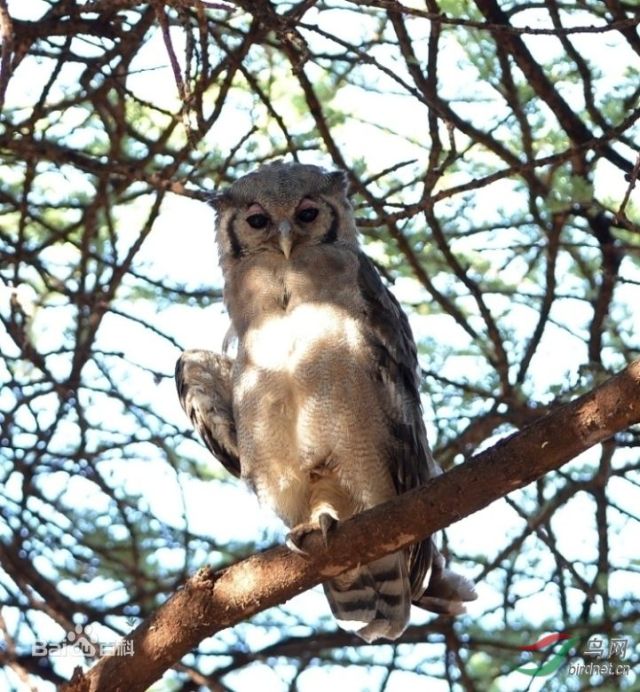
{"x": 255, "y": 208}
{"x": 307, "y": 204}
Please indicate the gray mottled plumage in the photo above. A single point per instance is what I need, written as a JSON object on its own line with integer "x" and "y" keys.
{"x": 320, "y": 411}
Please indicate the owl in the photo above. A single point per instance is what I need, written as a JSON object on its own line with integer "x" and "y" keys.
{"x": 320, "y": 410}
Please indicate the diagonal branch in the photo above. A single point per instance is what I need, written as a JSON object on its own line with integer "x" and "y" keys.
{"x": 543, "y": 86}
{"x": 211, "y": 601}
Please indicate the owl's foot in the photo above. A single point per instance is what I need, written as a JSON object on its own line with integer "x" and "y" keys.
{"x": 295, "y": 538}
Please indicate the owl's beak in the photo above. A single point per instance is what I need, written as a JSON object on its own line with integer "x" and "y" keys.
{"x": 285, "y": 239}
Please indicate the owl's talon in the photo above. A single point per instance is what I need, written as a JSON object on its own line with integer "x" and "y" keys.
{"x": 295, "y": 538}
{"x": 327, "y": 525}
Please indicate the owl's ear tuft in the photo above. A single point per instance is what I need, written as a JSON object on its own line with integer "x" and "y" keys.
{"x": 220, "y": 200}
{"x": 336, "y": 181}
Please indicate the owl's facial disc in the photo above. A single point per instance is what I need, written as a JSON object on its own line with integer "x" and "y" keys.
{"x": 286, "y": 230}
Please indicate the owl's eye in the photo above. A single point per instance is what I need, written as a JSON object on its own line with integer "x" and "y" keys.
{"x": 307, "y": 215}
{"x": 258, "y": 221}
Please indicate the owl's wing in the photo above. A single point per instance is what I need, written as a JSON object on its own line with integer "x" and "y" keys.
{"x": 203, "y": 380}
{"x": 396, "y": 363}
{"x": 411, "y": 463}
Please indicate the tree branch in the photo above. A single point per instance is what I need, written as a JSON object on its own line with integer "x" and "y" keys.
{"x": 211, "y": 601}
{"x": 543, "y": 86}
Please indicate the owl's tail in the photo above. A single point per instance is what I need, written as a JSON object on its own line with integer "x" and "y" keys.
{"x": 375, "y": 598}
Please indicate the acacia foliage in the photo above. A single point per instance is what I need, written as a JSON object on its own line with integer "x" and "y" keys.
{"x": 491, "y": 149}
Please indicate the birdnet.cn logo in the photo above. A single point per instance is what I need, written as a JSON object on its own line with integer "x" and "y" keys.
{"x": 601, "y": 657}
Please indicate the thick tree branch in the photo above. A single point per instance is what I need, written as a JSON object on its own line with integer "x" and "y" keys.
{"x": 211, "y": 601}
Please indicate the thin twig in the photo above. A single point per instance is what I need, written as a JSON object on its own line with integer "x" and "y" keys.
{"x": 173, "y": 60}
{"x": 183, "y": 88}
{"x": 633, "y": 177}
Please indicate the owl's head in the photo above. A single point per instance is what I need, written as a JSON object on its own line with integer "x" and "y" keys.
{"x": 283, "y": 208}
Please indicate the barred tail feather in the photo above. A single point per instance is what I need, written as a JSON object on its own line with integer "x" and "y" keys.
{"x": 374, "y": 600}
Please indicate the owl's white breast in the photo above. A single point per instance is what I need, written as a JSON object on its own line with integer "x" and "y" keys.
{"x": 304, "y": 394}
{"x": 287, "y": 341}
{"x": 287, "y": 312}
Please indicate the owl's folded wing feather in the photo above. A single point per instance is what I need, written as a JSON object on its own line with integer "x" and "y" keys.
{"x": 203, "y": 380}
{"x": 411, "y": 463}
{"x": 396, "y": 365}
